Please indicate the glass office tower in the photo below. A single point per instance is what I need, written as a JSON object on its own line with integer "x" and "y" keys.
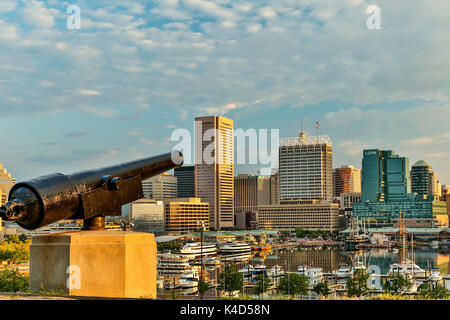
{"x": 386, "y": 192}
{"x": 385, "y": 176}
{"x": 422, "y": 178}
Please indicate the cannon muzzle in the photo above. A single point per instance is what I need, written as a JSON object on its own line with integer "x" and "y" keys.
{"x": 83, "y": 195}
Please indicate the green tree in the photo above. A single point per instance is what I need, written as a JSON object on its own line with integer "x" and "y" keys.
{"x": 231, "y": 280}
{"x": 170, "y": 245}
{"x": 435, "y": 291}
{"x": 261, "y": 285}
{"x": 203, "y": 286}
{"x": 294, "y": 284}
{"x": 12, "y": 281}
{"x": 300, "y": 232}
{"x": 396, "y": 283}
{"x": 13, "y": 238}
{"x": 357, "y": 285}
{"x": 16, "y": 252}
{"x": 321, "y": 289}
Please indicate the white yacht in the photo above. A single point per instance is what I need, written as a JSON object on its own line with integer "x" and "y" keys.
{"x": 236, "y": 257}
{"x": 171, "y": 265}
{"x": 344, "y": 272}
{"x": 258, "y": 270}
{"x": 247, "y": 271}
{"x": 314, "y": 275}
{"x": 407, "y": 267}
{"x": 276, "y": 271}
{"x": 211, "y": 263}
{"x": 194, "y": 250}
{"x": 235, "y": 251}
{"x": 235, "y": 247}
{"x": 435, "y": 275}
{"x": 188, "y": 280}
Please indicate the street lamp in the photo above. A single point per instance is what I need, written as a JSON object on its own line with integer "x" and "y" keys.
{"x": 202, "y": 226}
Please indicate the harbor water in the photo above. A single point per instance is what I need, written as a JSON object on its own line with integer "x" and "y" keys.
{"x": 330, "y": 259}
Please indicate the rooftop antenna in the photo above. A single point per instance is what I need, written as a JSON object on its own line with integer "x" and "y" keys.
{"x": 302, "y": 134}
{"x": 317, "y": 129}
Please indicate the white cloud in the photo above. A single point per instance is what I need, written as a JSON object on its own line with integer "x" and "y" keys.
{"x": 46, "y": 84}
{"x": 210, "y": 8}
{"x": 7, "y": 5}
{"x": 147, "y": 141}
{"x": 35, "y": 13}
{"x": 254, "y": 27}
{"x": 133, "y": 132}
{"x": 267, "y": 12}
{"x": 106, "y": 112}
{"x": 87, "y": 92}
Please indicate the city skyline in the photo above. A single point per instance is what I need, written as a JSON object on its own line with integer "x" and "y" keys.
{"x": 153, "y": 68}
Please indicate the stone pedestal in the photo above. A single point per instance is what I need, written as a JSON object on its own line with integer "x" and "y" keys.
{"x": 94, "y": 264}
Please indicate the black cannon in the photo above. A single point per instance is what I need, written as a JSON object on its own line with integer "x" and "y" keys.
{"x": 90, "y": 195}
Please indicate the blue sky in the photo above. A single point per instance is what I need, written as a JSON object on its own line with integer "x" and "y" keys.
{"x": 115, "y": 89}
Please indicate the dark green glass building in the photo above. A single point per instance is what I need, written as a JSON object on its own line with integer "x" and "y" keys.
{"x": 385, "y": 176}
{"x": 422, "y": 178}
{"x": 386, "y": 190}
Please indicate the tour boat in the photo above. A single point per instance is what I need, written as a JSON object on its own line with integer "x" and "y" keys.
{"x": 237, "y": 257}
{"x": 344, "y": 272}
{"x": 235, "y": 247}
{"x": 211, "y": 263}
{"x": 169, "y": 265}
{"x": 194, "y": 250}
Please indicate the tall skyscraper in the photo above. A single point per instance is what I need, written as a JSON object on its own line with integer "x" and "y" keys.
{"x": 305, "y": 168}
{"x": 185, "y": 181}
{"x": 422, "y": 178}
{"x": 250, "y": 192}
{"x": 6, "y": 183}
{"x": 160, "y": 187}
{"x": 346, "y": 179}
{"x": 214, "y": 168}
{"x": 385, "y": 176}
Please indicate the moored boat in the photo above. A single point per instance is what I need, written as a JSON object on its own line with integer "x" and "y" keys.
{"x": 194, "y": 250}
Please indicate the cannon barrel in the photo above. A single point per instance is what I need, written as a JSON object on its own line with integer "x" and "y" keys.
{"x": 85, "y": 194}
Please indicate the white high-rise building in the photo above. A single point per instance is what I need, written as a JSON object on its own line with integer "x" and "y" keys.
{"x": 160, "y": 187}
{"x": 305, "y": 168}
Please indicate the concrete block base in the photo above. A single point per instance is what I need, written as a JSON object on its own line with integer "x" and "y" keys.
{"x": 94, "y": 264}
